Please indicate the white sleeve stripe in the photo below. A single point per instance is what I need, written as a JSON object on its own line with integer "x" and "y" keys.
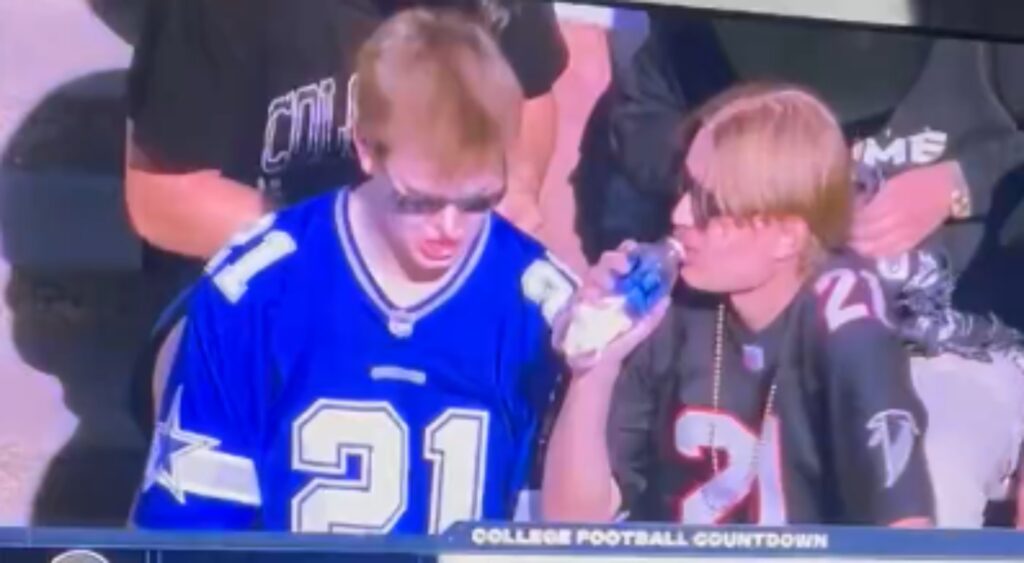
{"x": 218, "y": 475}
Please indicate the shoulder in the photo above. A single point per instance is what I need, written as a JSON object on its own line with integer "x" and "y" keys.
{"x": 851, "y": 313}
{"x": 255, "y": 264}
{"x": 540, "y": 278}
{"x": 847, "y": 292}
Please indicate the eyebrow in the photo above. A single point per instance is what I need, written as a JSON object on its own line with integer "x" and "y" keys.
{"x": 413, "y": 191}
{"x": 409, "y": 190}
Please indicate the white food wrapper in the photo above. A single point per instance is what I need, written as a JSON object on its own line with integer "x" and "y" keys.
{"x": 595, "y": 326}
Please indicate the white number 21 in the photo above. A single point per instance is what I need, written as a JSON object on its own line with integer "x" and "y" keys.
{"x": 749, "y": 463}
{"x": 837, "y": 287}
{"x": 331, "y": 433}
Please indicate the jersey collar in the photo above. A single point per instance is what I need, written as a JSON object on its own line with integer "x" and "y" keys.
{"x": 401, "y": 320}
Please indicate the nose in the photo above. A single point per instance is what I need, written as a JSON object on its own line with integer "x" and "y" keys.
{"x": 451, "y": 223}
{"x": 682, "y": 215}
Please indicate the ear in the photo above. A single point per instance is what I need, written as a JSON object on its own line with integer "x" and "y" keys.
{"x": 791, "y": 237}
{"x": 367, "y": 157}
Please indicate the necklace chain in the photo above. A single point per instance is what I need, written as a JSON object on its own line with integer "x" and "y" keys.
{"x": 716, "y": 396}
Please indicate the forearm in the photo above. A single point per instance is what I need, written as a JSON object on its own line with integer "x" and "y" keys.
{"x": 532, "y": 153}
{"x": 985, "y": 164}
{"x": 193, "y": 214}
{"x": 578, "y": 482}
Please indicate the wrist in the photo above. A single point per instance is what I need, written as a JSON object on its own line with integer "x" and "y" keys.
{"x": 959, "y": 194}
{"x": 602, "y": 372}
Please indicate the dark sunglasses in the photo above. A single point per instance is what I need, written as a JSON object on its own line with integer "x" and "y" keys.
{"x": 410, "y": 202}
{"x": 705, "y": 205}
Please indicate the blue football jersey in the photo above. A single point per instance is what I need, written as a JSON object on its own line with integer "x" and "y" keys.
{"x": 301, "y": 398}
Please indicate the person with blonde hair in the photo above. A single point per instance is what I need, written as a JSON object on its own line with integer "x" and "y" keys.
{"x": 768, "y": 388}
{"x": 376, "y": 360}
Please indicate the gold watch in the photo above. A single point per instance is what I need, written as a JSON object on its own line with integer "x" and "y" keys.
{"x": 960, "y": 204}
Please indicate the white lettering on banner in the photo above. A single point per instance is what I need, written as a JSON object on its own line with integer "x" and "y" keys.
{"x": 589, "y": 536}
{"x": 522, "y": 536}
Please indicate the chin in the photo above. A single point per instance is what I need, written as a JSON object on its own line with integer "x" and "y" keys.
{"x": 432, "y": 266}
{"x": 693, "y": 279}
{"x": 704, "y": 284}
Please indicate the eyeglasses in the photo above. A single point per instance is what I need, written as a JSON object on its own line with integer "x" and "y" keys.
{"x": 408, "y": 201}
{"x": 703, "y": 203}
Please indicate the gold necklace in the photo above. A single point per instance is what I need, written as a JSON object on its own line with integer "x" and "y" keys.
{"x": 716, "y": 395}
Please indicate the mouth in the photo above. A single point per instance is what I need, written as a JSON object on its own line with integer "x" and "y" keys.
{"x": 438, "y": 250}
{"x": 689, "y": 251}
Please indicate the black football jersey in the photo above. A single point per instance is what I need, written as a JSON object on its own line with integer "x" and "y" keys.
{"x": 841, "y": 443}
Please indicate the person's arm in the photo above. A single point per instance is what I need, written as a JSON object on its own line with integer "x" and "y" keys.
{"x": 595, "y": 454}
{"x": 529, "y": 161}
{"x": 578, "y": 481}
{"x": 202, "y": 471}
{"x": 190, "y": 74}
{"x": 963, "y": 186}
{"x": 192, "y": 213}
{"x": 547, "y": 288}
{"x": 535, "y": 49}
{"x": 877, "y": 421}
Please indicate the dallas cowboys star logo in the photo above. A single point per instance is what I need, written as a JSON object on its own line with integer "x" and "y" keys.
{"x": 170, "y": 444}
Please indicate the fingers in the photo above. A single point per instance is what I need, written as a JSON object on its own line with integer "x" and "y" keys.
{"x": 889, "y": 246}
{"x": 615, "y": 353}
{"x": 601, "y": 279}
{"x": 867, "y": 227}
{"x": 879, "y": 231}
{"x": 627, "y": 342}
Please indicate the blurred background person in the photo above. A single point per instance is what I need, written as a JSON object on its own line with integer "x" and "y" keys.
{"x": 600, "y": 41}
{"x": 73, "y": 316}
{"x": 937, "y": 121}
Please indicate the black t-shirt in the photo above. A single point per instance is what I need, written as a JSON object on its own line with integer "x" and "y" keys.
{"x": 843, "y": 441}
{"x": 258, "y": 89}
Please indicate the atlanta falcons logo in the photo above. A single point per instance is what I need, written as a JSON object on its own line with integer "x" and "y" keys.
{"x": 893, "y": 431}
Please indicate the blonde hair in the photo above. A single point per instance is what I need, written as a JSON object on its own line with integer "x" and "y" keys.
{"x": 779, "y": 151}
{"x": 436, "y": 79}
